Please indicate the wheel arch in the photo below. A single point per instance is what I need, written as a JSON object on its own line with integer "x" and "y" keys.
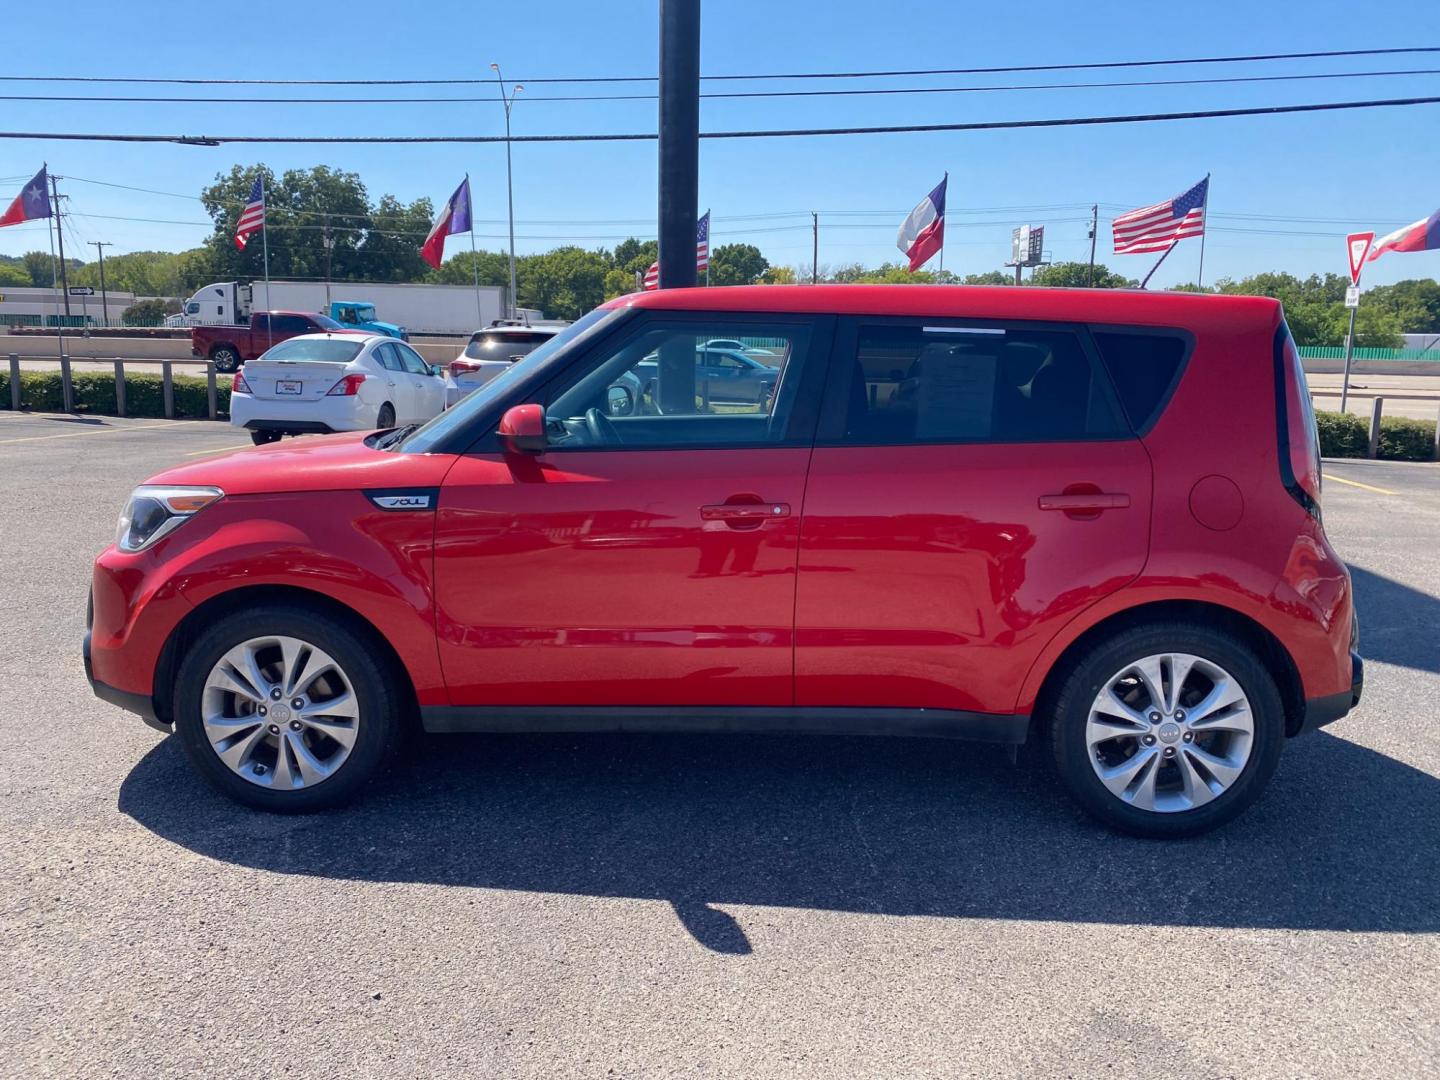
{"x": 1266, "y": 646}
{"x": 217, "y": 607}
{"x": 224, "y": 345}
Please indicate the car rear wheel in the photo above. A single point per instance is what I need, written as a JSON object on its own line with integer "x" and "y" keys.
{"x": 226, "y": 358}
{"x": 1167, "y": 730}
{"x": 386, "y": 417}
{"x": 287, "y": 709}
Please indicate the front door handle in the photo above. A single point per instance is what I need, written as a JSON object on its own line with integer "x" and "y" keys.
{"x": 1087, "y": 503}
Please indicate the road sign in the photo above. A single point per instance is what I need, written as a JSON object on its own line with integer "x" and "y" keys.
{"x": 1357, "y": 246}
{"x": 81, "y": 290}
{"x": 1352, "y": 296}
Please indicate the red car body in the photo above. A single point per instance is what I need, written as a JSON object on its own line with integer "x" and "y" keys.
{"x": 595, "y": 589}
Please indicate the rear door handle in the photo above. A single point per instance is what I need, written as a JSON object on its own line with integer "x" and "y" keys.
{"x": 1088, "y": 503}
{"x": 744, "y": 512}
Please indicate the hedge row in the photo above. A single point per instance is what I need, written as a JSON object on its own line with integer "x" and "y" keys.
{"x": 94, "y": 392}
{"x": 1348, "y": 435}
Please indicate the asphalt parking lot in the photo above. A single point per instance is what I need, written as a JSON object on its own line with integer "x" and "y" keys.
{"x": 720, "y": 906}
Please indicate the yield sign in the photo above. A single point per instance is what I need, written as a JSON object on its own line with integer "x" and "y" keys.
{"x": 1357, "y": 244}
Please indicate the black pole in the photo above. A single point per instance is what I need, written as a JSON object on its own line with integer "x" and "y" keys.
{"x": 814, "y": 247}
{"x": 679, "y": 140}
{"x": 60, "y": 237}
{"x": 1094, "y": 228}
{"x": 100, "y": 246}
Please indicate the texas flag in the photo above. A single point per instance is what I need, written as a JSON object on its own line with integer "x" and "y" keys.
{"x": 923, "y": 233}
{"x": 32, "y": 202}
{"x": 1424, "y": 235}
{"x": 455, "y": 218}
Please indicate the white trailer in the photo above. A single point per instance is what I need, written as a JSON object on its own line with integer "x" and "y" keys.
{"x": 421, "y": 309}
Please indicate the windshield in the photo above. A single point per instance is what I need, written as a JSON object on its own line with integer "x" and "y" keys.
{"x": 328, "y": 323}
{"x": 476, "y": 350}
{"x": 324, "y": 350}
{"x": 431, "y": 434}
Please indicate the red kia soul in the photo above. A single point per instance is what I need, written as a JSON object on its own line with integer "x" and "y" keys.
{"x": 1088, "y": 517}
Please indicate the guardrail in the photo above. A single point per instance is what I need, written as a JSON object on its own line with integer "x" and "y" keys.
{"x": 167, "y": 382}
{"x": 1377, "y": 411}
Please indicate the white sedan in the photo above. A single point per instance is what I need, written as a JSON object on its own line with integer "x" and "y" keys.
{"x": 334, "y": 382}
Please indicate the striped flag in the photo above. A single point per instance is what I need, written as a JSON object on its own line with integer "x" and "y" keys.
{"x": 702, "y": 254}
{"x": 252, "y": 218}
{"x": 1159, "y": 227}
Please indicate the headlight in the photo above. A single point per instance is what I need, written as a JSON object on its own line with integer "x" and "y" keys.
{"x": 152, "y": 511}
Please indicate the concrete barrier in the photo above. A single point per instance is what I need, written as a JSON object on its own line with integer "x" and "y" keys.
{"x": 158, "y": 349}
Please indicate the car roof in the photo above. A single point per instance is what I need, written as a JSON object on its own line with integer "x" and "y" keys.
{"x": 357, "y": 303}
{"x": 1122, "y": 306}
{"x": 552, "y": 330}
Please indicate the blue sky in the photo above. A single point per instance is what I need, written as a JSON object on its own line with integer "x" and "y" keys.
{"x": 1376, "y": 168}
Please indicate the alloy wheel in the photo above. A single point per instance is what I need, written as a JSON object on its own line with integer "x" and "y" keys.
{"x": 1170, "y": 732}
{"x": 280, "y": 713}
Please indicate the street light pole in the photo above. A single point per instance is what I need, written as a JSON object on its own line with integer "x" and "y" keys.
{"x": 100, "y": 246}
{"x": 509, "y": 102}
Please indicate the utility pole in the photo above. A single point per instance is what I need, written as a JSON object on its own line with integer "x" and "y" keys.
{"x": 100, "y": 246}
{"x": 1094, "y": 228}
{"x": 60, "y": 236}
{"x": 329, "y": 242}
{"x": 679, "y": 140}
{"x": 509, "y": 103}
{"x": 814, "y": 247}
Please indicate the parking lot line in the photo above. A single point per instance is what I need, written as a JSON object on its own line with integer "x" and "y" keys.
{"x": 217, "y": 450}
{"x": 81, "y": 434}
{"x": 1356, "y": 483}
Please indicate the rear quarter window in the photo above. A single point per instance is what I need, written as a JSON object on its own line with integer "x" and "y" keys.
{"x": 1144, "y": 368}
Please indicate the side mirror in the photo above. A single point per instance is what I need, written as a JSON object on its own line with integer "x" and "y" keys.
{"x": 522, "y": 430}
{"x": 619, "y": 401}
{"x": 437, "y": 371}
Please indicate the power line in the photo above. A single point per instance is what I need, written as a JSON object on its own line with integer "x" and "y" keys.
{"x": 889, "y": 129}
{"x": 1113, "y": 64}
{"x": 883, "y": 91}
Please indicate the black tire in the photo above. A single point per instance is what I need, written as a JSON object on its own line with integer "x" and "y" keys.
{"x": 1069, "y": 708}
{"x": 225, "y": 358}
{"x": 260, "y": 438}
{"x": 385, "y": 418}
{"x": 377, "y": 686}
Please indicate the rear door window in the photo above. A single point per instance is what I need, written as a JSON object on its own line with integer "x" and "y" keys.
{"x": 1144, "y": 366}
{"x": 941, "y": 381}
{"x": 385, "y": 353}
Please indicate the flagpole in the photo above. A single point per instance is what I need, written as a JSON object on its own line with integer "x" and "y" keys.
{"x": 709, "y": 246}
{"x": 1200, "y": 275}
{"x": 474, "y": 258}
{"x": 1157, "y": 263}
{"x": 54, "y": 265}
{"x": 946, "y": 182}
{"x": 265, "y": 250}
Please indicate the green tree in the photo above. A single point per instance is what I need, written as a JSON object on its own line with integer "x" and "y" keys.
{"x": 148, "y": 312}
{"x": 990, "y": 277}
{"x": 41, "y": 268}
{"x": 563, "y": 283}
{"x": 459, "y": 269}
{"x": 635, "y": 254}
{"x": 1415, "y": 303}
{"x": 1076, "y": 275}
{"x": 14, "y": 274}
{"x": 737, "y": 264}
{"x": 390, "y": 250}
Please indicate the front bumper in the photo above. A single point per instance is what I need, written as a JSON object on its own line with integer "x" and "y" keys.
{"x": 142, "y": 705}
{"x": 1326, "y": 710}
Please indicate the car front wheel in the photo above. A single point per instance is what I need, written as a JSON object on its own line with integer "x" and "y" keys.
{"x": 286, "y": 708}
{"x": 226, "y": 359}
{"x": 1167, "y": 730}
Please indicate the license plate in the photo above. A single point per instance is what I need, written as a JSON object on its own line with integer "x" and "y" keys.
{"x": 288, "y": 386}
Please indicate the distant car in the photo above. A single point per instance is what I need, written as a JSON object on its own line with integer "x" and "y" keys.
{"x": 488, "y": 353}
{"x": 360, "y": 315}
{"x": 726, "y": 375}
{"x": 334, "y": 382}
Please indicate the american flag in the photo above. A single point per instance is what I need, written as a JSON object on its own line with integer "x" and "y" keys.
{"x": 702, "y": 254}
{"x": 252, "y": 218}
{"x": 1156, "y": 228}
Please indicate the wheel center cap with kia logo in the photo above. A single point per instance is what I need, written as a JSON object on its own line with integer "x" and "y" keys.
{"x": 279, "y": 713}
{"x": 1169, "y": 732}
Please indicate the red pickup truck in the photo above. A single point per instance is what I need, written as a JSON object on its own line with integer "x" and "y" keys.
{"x": 231, "y": 346}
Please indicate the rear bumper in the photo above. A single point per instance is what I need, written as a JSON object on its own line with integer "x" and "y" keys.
{"x": 298, "y": 427}
{"x": 1326, "y": 710}
{"x": 302, "y": 417}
